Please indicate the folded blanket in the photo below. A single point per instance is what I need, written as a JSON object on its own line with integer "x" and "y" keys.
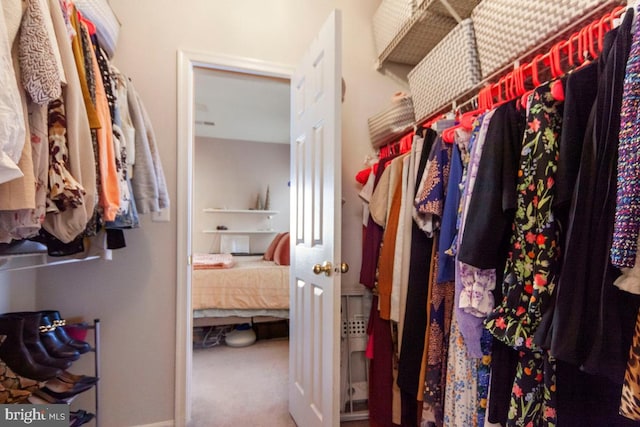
{"x": 211, "y": 261}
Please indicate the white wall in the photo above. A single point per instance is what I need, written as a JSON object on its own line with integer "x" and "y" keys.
{"x": 230, "y": 174}
{"x": 17, "y": 290}
{"x": 134, "y": 295}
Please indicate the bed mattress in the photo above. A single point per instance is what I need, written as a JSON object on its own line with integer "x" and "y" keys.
{"x": 248, "y": 284}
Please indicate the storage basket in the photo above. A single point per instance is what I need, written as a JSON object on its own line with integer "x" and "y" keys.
{"x": 448, "y": 71}
{"x": 405, "y": 32}
{"x": 392, "y": 123}
{"x": 507, "y": 29}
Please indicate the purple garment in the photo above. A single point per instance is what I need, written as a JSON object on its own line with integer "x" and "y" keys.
{"x": 470, "y": 326}
{"x": 627, "y": 219}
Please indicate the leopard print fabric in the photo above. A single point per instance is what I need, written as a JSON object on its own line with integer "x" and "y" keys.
{"x": 12, "y": 381}
{"x": 630, "y": 401}
{"x": 13, "y": 387}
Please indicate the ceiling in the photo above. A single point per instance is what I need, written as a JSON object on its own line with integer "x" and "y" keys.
{"x": 230, "y": 105}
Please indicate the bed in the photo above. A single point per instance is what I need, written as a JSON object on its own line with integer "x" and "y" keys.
{"x": 230, "y": 289}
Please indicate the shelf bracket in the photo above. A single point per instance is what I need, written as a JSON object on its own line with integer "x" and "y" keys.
{"x": 451, "y": 10}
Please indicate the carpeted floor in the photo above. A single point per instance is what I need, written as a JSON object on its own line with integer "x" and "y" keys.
{"x": 246, "y": 386}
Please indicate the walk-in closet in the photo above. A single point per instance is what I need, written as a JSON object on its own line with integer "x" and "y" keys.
{"x": 458, "y": 180}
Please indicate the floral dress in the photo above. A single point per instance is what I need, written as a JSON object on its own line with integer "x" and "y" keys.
{"x": 430, "y": 204}
{"x": 532, "y": 267}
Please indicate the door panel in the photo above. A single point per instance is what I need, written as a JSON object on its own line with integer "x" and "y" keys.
{"x": 316, "y": 226}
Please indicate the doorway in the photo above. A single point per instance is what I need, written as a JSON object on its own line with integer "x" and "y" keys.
{"x": 194, "y": 119}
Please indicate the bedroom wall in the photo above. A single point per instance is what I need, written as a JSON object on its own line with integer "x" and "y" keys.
{"x": 230, "y": 174}
{"x": 134, "y": 294}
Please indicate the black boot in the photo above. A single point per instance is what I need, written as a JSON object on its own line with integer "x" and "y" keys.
{"x": 57, "y": 321}
{"x": 14, "y": 353}
{"x": 31, "y": 338}
{"x": 52, "y": 344}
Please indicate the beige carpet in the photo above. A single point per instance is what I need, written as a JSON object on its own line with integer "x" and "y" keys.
{"x": 247, "y": 386}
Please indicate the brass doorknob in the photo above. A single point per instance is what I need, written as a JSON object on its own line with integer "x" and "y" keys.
{"x": 344, "y": 267}
{"x": 325, "y": 267}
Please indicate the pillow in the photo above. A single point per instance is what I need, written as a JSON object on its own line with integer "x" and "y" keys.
{"x": 268, "y": 255}
{"x": 282, "y": 255}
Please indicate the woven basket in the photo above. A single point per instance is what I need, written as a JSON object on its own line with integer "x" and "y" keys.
{"x": 507, "y": 29}
{"x": 405, "y": 32}
{"x": 448, "y": 71}
{"x": 392, "y": 123}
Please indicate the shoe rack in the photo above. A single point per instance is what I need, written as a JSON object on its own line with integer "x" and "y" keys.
{"x": 95, "y": 349}
{"x": 36, "y": 350}
{"x": 96, "y": 357}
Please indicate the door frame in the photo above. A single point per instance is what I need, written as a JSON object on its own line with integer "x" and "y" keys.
{"x": 187, "y": 62}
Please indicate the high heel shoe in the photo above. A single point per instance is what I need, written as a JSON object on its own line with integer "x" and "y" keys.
{"x": 78, "y": 418}
{"x": 38, "y": 397}
{"x": 61, "y": 390}
{"x": 14, "y": 353}
{"x": 57, "y": 321}
{"x": 70, "y": 378}
{"x": 52, "y": 344}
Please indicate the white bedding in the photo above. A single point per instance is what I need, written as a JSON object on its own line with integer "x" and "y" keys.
{"x": 249, "y": 284}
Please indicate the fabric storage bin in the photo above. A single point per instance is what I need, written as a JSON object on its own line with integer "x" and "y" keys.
{"x": 393, "y": 122}
{"x": 405, "y": 32}
{"x": 507, "y": 29}
{"x": 448, "y": 71}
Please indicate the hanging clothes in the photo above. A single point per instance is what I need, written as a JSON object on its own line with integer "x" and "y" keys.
{"x": 415, "y": 318}
{"x": 467, "y": 277}
{"x": 12, "y": 125}
{"x": 533, "y": 264}
{"x": 593, "y": 320}
{"x": 378, "y": 330}
{"x": 429, "y": 205}
{"x": 66, "y": 225}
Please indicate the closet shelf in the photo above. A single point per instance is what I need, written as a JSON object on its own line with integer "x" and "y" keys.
{"x": 240, "y": 231}
{"x": 405, "y": 34}
{"x": 239, "y": 211}
{"x": 37, "y": 260}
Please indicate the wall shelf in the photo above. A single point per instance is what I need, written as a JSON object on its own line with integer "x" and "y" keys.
{"x": 240, "y": 231}
{"x": 37, "y": 260}
{"x": 239, "y": 211}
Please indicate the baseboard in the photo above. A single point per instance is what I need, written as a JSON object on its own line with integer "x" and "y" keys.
{"x": 168, "y": 423}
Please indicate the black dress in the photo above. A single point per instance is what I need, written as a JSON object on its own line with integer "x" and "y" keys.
{"x": 592, "y": 324}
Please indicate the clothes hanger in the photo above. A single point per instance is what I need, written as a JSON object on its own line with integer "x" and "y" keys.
{"x": 520, "y": 80}
{"x": 464, "y": 121}
{"x": 406, "y": 142}
{"x": 556, "y": 87}
{"x": 91, "y": 27}
{"x": 535, "y": 80}
{"x": 485, "y": 98}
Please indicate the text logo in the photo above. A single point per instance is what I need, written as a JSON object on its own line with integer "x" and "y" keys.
{"x": 34, "y": 415}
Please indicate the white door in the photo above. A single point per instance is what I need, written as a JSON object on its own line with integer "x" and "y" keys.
{"x": 314, "y": 362}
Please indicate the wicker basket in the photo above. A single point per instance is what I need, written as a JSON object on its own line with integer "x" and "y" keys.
{"x": 391, "y": 123}
{"x": 405, "y": 32}
{"x": 448, "y": 71}
{"x": 507, "y": 29}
